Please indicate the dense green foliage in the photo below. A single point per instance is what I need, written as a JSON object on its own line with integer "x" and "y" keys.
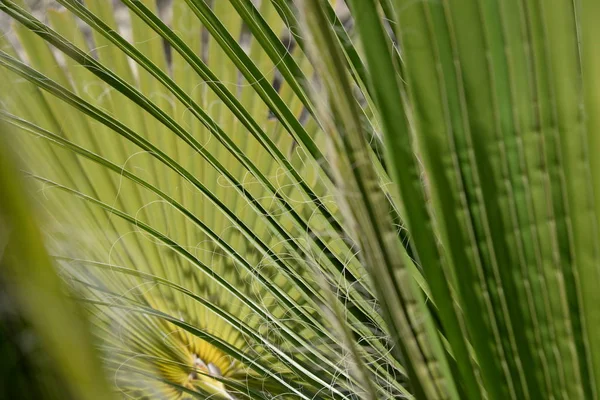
{"x": 292, "y": 199}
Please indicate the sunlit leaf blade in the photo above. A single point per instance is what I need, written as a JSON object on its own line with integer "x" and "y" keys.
{"x": 295, "y": 288}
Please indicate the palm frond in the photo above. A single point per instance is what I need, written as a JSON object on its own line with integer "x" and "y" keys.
{"x": 47, "y": 347}
{"x": 263, "y": 227}
{"x": 261, "y": 199}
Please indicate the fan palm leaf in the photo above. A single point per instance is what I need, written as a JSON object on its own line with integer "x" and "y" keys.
{"x": 261, "y": 199}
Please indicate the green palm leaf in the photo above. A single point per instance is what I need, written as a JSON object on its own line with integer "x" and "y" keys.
{"x": 295, "y": 199}
{"x": 47, "y": 347}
